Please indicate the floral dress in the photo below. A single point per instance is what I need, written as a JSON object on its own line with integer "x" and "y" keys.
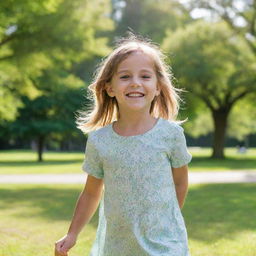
{"x": 139, "y": 212}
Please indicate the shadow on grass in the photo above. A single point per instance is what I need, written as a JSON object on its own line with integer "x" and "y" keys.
{"x": 53, "y": 204}
{"x": 216, "y": 211}
{"x": 228, "y": 163}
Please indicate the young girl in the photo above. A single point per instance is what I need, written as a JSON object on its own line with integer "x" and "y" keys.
{"x": 136, "y": 159}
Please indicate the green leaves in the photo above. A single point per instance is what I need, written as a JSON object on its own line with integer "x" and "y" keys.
{"x": 206, "y": 59}
{"x": 215, "y": 66}
{"x": 151, "y": 18}
{"x": 36, "y": 36}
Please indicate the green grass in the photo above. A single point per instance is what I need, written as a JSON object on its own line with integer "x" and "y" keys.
{"x": 233, "y": 161}
{"x": 220, "y": 219}
{"x": 24, "y": 162}
{"x": 33, "y": 217}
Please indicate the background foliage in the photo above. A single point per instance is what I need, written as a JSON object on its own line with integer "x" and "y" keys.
{"x": 49, "y": 51}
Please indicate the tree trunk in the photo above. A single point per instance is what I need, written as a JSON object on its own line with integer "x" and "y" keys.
{"x": 220, "y": 117}
{"x": 40, "y": 146}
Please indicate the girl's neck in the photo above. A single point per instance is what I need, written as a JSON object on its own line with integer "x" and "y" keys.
{"x": 130, "y": 124}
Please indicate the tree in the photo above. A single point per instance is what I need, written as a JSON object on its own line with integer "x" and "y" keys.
{"x": 242, "y": 120}
{"x": 36, "y": 32}
{"x": 239, "y": 15}
{"x": 215, "y": 66}
{"x": 149, "y": 18}
{"x": 51, "y": 113}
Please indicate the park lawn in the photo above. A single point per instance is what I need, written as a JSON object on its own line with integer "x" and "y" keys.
{"x": 233, "y": 161}
{"x": 33, "y": 217}
{"x": 220, "y": 219}
{"x": 24, "y": 161}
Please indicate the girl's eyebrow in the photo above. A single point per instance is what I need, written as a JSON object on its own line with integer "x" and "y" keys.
{"x": 142, "y": 70}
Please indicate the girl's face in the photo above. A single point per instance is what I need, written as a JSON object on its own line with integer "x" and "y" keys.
{"x": 134, "y": 84}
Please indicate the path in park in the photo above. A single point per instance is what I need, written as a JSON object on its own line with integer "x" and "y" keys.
{"x": 194, "y": 178}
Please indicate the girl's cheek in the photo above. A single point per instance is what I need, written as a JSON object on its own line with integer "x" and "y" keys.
{"x": 124, "y": 83}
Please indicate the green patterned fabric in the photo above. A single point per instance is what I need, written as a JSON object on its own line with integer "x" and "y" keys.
{"x": 139, "y": 212}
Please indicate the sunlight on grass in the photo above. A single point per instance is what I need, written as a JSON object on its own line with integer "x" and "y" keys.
{"x": 34, "y": 217}
{"x": 24, "y": 162}
{"x": 240, "y": 244}
{"x": 234, "y": 161}
{"x": 28, "y": 156}
{"x": 220, "y": 219}
{"x": 229, "y": 152}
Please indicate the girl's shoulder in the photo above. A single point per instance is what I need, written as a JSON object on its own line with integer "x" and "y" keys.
{"x": 99, "y": 134}
{"x": 171, "y": 130}
{"x": 172, "y": 126}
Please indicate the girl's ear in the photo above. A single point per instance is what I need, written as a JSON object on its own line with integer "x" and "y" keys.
{"x": 109, "y": 90}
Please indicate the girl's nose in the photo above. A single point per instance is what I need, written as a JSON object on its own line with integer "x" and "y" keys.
{"x": 135, "y": 82}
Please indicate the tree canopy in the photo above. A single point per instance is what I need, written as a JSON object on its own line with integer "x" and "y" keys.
{"x": 216, "y": 66}
{"x": 239, "y": 15}
{"x": 148, "y": 17}
{"x": 49, "y": 51}
{"x": 37, "y": 35}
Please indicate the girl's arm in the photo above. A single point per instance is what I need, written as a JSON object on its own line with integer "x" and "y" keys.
{"x": 180, "y": 178}
{"x": 86, "y": 206}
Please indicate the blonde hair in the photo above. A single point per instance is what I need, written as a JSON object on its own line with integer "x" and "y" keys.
{"x": 105, "y": 108}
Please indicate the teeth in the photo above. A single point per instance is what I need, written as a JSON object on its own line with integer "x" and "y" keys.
{"x": 135, "y": 95}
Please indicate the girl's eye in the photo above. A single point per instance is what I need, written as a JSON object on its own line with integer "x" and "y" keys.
{"x": 124, "y": 77}
{"x": 146, "y": 77}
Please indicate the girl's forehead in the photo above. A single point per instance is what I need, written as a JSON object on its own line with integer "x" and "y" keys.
{"x": 137, "y": 59}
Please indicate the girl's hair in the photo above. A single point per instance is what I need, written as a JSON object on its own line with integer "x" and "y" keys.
{"x": 105, "y": 109}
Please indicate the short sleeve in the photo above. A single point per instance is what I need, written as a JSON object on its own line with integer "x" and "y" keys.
{"x": 179, "y": 155}
{"x": 92, "y": 163}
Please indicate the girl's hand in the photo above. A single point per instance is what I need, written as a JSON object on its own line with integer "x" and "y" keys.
{"x": 63, "y": 245}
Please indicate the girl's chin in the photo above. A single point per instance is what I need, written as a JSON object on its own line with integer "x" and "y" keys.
{"x": 137, "y": 107}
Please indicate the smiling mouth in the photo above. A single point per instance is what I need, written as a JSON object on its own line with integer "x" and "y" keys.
{"x": 135, "y": 95}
